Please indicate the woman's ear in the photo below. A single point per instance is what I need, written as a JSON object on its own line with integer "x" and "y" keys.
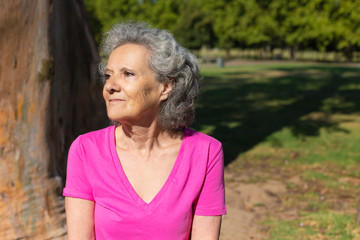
{"x": 167, "y": 88}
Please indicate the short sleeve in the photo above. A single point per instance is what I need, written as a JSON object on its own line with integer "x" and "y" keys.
{"x": 211, "y": 200}
{"x": 77, "y": 184}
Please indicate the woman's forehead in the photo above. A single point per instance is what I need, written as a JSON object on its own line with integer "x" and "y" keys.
{"x": 131, "y": 48}
{"x": 129, "y": 55}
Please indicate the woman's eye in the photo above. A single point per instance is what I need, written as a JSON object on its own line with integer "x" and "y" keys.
{"x": 128, "y": 74}
{"x": 107, "y": 76}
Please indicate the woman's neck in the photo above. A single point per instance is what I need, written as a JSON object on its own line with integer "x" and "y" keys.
{"x": 144, "y": 139}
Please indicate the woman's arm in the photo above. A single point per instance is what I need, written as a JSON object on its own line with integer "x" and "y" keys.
{"x": 206, "y": 227}
{"x": 80, "y": 219}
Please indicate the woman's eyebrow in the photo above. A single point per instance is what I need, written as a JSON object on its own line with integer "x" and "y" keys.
{"x": 108, "y": 70}
{"x": 126, "y": 69}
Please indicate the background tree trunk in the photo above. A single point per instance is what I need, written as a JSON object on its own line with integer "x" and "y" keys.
{"x": 293, "y": 51}
{"x": 349, "y": 52}
{"x": 49, "y": 95}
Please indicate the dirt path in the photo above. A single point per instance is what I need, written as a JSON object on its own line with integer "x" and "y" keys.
{"x": 248, "y": 204}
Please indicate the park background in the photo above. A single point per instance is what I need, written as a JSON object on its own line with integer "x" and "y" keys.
{"x": 281, "y": 91}
{"x": 289, "y": 129}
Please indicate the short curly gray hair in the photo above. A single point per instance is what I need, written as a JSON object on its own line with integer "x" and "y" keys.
{"x": 169, "y": 61}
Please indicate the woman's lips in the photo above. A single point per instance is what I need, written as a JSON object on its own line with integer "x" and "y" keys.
{"x": 116, "y": 100}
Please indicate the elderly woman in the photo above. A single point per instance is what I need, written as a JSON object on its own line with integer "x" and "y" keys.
{"x": 148, "y": 176}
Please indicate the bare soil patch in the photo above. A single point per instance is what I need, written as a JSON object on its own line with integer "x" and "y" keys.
{"x": 254, "y": 195}
{"x": 248, "y": 204}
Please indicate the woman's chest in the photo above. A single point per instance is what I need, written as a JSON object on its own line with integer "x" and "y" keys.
{"x": 169, "y": 214}
{"x": 169, "y": 184}
{"x": 119, "y": 207}
{"x": 148, "y": 176}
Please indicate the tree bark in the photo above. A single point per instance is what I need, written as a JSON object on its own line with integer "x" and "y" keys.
{"x": 358, "y": 213}
{"x": 49, "y": 95}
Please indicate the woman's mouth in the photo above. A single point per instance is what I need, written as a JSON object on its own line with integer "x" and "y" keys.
{"x": 115, "y": 100}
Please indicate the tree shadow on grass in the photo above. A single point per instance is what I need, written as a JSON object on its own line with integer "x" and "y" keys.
{"x": 242, "y": 108}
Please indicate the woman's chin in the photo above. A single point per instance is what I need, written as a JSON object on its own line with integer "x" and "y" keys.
{"x": 116, "y": 115}
{"x": 114, "y": 118}
{"x": 120, "y": 118}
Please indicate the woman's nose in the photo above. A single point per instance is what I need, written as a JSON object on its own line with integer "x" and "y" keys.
{"x": 112, "y": 85}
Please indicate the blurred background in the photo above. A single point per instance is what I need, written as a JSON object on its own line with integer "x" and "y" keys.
{"x": 281, "y": 91}
{"x": 321, "y": 30}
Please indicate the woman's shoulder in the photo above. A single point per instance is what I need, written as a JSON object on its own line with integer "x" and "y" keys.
{"x": 97, "y": 136}
{"x": 201, "y": 138}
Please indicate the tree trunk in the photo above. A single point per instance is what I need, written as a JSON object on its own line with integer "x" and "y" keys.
{"x": 358, "y": 213}
{"x": 49, "y": 95}
{"x": 293, "y": 51}
{"x": 228, "y": 54}
{"x": 349, "y": 52}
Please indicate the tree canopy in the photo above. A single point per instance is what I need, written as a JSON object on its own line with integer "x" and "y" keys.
{"x": 322, "y": 25}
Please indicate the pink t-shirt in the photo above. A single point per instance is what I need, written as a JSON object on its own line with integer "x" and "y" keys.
{"x": 195, "y": 186}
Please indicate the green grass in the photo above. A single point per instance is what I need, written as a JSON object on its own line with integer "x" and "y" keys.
{"x": 320, "y": 225}
{"x": 245, "y": 105}
{"x": 292, "y": 119}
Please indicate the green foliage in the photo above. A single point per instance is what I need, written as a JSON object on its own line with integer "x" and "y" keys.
{"x": 163, "y": 14}
{"x": 346, "y": 17}
{"x": 194, "y": 28}
{"x": 306, "y": 24}
{"x": 226, "y": 23}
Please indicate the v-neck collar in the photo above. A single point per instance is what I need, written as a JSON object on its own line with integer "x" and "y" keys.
{"x": 125, "y": 181}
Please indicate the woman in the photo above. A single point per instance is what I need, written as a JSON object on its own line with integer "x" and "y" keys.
{"x": 148, "y": 176}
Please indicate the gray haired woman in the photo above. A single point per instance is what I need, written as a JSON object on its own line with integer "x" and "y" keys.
{"x": 148, "y": 176}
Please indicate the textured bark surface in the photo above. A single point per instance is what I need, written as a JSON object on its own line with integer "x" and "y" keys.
{"x": 49, "y": 96}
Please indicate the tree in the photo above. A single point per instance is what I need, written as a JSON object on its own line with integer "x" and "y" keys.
{"x": 105, "y": 13}
{"x": 163, "y": 14}
{"x": 345, "y": 17}
{"x": 194, "y": 29}
{"x": 226, "y": 21}
{"x": 244, "y": 23}
{"x": 257, "y": 27}
{"x": 305, "y": 24}
{"x": 49, "y": 97}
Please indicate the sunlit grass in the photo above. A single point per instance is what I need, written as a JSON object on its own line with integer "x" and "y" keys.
{"x": 319, "y": 225}
{"x": 291, "y": 120}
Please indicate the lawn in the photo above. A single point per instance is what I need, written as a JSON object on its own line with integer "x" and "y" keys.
{"x": 298, "y": 123}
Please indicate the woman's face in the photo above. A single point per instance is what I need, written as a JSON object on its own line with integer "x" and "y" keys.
{"x": 131, "y": 91}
